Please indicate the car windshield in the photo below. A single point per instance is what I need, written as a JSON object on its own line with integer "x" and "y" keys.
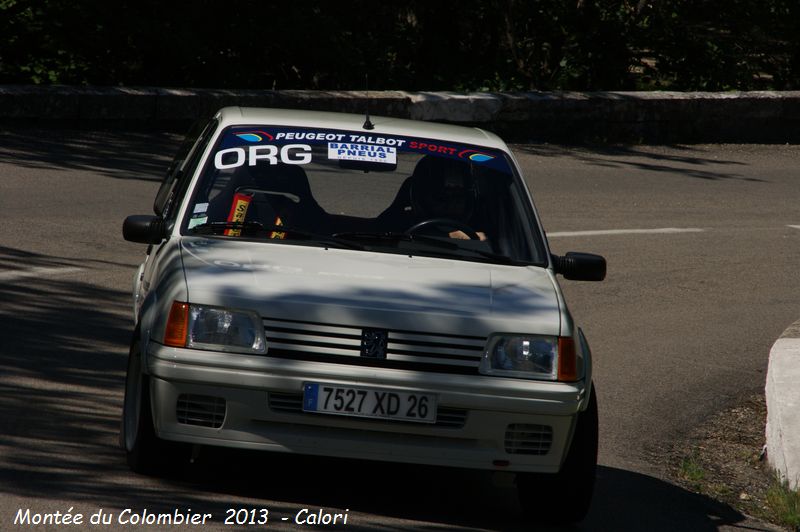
{"x": 360, "y": 190}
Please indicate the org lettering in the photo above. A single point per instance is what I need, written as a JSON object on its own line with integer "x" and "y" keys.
{"x": 267, "y": 153}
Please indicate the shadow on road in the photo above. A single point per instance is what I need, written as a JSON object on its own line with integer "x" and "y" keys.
{"x": 445, "y": 498}
{"x": 686, "y": 161}
{"x": 117, "y": 154}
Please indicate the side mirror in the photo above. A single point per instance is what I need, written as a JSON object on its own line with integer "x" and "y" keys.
{"x": 580, "y": 266}
{"x": 143, "y": 228}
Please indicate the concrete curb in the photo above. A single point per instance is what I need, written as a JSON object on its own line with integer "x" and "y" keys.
{"x": 783, "y": 406}
{"x": 658, "y": 117}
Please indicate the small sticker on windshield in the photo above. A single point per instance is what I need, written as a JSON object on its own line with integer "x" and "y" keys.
{"x": 200, "y": 207}
{"x": 197, "y": 220}
{"x": 350, "y": 151}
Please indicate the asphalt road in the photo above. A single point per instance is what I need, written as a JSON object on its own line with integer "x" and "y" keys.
{"x": 681, "y": 328}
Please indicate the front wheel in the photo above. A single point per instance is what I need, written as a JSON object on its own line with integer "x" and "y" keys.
{"x": 145, "y": 452}
{"x": 565, "y": 497}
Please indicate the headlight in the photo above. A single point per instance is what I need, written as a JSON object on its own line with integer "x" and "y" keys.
{"x": 530, "y": 357}
{"x": 214, "y": 328}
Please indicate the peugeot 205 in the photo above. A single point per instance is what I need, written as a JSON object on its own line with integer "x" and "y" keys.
{"x": 379, "y": 289}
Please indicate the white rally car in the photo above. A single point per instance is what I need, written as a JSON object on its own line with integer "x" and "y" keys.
{"x": 379, "y": 289}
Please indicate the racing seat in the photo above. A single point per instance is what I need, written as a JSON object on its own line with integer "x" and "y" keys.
{"x": 429, "y": 194}
{"x": 282, "y": 196}
{"x": 276, "y": 194}
{"x": 220, "y": 202}
{"x": 398, "y": 216}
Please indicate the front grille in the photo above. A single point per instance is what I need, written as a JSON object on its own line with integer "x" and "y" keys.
{"x": 452, "y": 418}
{"x": 528, "y": 439}
{"x": 285, "y": 403}
{"x": 201, "y": 410}
{"x": 302, "y": 340}
{"x": 290, "y": 403}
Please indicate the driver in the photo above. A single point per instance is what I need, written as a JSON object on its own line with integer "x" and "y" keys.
{"x": 444, "y": 189}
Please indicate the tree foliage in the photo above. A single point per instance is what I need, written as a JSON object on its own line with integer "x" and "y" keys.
{"x": 411, "y": 45}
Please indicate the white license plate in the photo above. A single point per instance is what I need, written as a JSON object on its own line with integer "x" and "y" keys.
{"x": 320, "y": 397}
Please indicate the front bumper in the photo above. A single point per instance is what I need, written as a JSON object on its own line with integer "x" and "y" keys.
{"x": 257, "y": 398}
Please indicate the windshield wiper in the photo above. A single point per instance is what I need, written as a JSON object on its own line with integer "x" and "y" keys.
{"x": 495, "y": 257}
{"x": 212, "y": 228}
{"x": 451, "y": 244}
{"x": 364, "y": 235}
{"x": 397, "y": 236}
{"x": 258, "y": 229}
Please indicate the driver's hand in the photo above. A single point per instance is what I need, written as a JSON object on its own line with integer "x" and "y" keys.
{"x": 461, "y": 235}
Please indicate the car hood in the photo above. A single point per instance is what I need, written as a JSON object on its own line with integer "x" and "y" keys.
{"x": 368, "y": 289}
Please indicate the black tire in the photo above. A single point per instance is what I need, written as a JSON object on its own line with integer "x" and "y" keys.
{"x": 145, "y": 452}
{"x": 565, "y": 497}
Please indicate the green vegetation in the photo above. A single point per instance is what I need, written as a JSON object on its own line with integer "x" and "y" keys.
{"x": 692, "y": 471}
{"x": 413, "y": 44}
{"x": 785, "y": 504}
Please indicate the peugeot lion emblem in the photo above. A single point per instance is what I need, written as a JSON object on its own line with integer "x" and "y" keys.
{"x": 373, "y": 343}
